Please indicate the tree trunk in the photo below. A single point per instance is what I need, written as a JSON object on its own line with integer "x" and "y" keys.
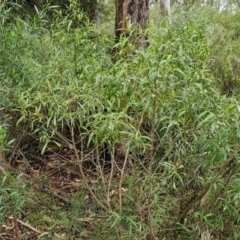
{"x": 164, "y": 6}
{"x": 134, "y": 12}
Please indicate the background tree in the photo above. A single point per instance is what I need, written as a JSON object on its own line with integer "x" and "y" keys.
{"x": 132, "y": 12}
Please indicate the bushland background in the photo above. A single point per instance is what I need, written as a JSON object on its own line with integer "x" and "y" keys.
{"x": 103, "y": 139}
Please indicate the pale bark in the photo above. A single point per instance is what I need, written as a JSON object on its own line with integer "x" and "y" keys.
{"x": 134, "y": 12}
{"x": 164, "y": 5}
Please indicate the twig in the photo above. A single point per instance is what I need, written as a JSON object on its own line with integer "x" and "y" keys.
{"x": 28, "y": 226}
{"x": 110, "y": 181}
{"x": 98, "y": 201}
{"x": 56, "y": 195}
{"x": 102, "y": 177}
{"x": 17, "y": 233}
{"x": 121, "y": 181}
{"x": 16, "y": 144}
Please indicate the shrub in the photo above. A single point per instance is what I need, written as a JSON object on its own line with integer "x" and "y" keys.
{"x": 179, "y": 145}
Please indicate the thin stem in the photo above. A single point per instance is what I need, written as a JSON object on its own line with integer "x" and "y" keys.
{"x": 75, "y": 58}
{"x": 83, "y": 175}
{"x": 151, "y": 158}
{"x": 121, "y": 181}
{"x": 106, "y": 192}
{"x": 17, "y": 233}
{"x": 110, "y": 179}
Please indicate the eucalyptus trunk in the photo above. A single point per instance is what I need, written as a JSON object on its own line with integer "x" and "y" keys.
{"x": 134, "y": 13}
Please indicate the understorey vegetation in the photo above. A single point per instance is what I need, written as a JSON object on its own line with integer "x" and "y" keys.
{"x": 145, "y": 146}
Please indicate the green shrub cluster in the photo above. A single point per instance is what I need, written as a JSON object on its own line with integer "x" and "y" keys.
{"x": 222, "y": 33}
{"x": 163, "y": 104}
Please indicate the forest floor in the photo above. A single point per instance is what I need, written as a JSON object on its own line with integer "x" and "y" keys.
{"x": 54, "y": 183}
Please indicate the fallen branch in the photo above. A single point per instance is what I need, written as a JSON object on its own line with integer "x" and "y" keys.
{"x": 26, "y": 225}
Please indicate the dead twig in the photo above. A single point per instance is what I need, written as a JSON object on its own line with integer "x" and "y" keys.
{"x": 79, "y": 161}
{"x": 17, "y": 233}
{"x": 28, "y": 226}
{"x": 56, "y": 195}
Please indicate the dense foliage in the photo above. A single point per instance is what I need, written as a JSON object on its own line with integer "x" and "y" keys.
{"x": 154, "y": 127}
